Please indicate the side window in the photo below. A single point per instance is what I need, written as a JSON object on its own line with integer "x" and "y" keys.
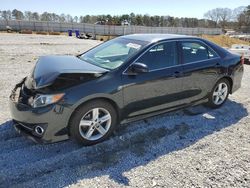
{"x": 160, "y": 56}
{"x": 211, "y": 53}
{"x": 194, "y": 51}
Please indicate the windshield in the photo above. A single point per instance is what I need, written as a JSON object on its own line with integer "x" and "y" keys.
{"x": 113, "y": 53}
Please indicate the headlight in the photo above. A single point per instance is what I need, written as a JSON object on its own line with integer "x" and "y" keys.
{"x": 44, "y": 100}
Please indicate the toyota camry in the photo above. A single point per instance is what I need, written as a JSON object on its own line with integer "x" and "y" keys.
{"x": 85, "y": 97}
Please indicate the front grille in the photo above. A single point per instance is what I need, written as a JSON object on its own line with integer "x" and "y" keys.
{"x": 30, "y": 128}
{"x": 27, "y": 127}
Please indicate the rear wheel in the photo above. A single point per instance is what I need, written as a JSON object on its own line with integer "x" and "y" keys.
{"x": 219, "y": 94}
{"x": 93, "y": 122}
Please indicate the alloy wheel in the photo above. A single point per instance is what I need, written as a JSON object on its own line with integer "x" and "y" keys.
{"x": 95, "y": 124}
{"x": 220, "y": 93}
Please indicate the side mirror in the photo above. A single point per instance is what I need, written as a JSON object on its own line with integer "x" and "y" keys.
{"x": 137, "y": 68}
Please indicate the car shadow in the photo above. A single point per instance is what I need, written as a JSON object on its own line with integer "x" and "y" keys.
{"x": 25, "y": 164}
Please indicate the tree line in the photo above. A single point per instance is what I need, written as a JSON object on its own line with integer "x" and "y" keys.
{"x": 219, "y": 17}
{"x": 228, "y": 18}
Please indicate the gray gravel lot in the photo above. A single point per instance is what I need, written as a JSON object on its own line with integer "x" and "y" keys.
{"x": 178, "y": 149}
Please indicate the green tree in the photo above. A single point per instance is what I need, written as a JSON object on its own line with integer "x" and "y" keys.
{"x": 139, "y": 19}
{"x": 76, "y": 19}
{"x": 6, "y": 15}
{"x": 28, "y": 15}
{"x": 35, "y": 16}
{"x": 45, "y": 16}
{"x": 132, "y": 19}
{"x": 17, "y": 14}
{"x": 62, "y": 18}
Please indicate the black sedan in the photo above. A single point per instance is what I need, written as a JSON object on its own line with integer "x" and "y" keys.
{"x": 85, "y": 97}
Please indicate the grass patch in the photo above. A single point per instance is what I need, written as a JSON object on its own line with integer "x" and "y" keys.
{"x": 104, "y": 37}
{"x": 41, "y": 33}
{"x": 26, "y": 32}
{"x": 224, "y": 41}
{"x": 54, "y": 33}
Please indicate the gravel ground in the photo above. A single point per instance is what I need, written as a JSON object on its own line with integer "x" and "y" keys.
{"x": 196, "y": 147}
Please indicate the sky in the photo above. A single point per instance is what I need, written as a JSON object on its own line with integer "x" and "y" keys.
{"x": 177, "y": 8}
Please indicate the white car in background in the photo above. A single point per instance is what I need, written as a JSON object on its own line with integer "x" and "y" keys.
{"x": 241, "y": 49}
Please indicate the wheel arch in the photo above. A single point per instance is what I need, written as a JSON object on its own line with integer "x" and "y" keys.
{"x": 230, "y": 80}
{"x": 106, "y": 99}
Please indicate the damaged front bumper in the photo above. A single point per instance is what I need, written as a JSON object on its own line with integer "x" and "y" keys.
{"x": 44, "y": 124}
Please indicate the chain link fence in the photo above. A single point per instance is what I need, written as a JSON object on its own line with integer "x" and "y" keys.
{"x": 19, "y": 25}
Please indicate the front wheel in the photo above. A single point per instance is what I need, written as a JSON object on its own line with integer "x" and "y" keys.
{"x": 93, "y": 122}
{"x": 219, "y": 94}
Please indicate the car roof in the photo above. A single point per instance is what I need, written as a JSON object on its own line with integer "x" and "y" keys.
{"x": 152, "y": 38}
{"x": 155, "y": 37}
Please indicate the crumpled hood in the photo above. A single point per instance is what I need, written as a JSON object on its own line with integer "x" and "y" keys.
{"x": 48, "y": 68}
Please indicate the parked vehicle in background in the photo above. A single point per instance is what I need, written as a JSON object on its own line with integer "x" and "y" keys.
{"x": 85, "y": 36}
{"x": 243, "y": 50}
{"x": 128, "y": 78}
{"x": 9, "y": 29}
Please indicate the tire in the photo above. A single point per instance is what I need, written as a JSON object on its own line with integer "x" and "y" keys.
{"x": 93, "y": 122}
{"x": 217, "y": 97}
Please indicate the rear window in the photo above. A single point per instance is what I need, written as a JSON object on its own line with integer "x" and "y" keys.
{"x": 195, "y": 51}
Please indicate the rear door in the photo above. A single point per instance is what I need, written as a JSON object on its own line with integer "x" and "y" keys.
{"x": 201, "y": 67}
